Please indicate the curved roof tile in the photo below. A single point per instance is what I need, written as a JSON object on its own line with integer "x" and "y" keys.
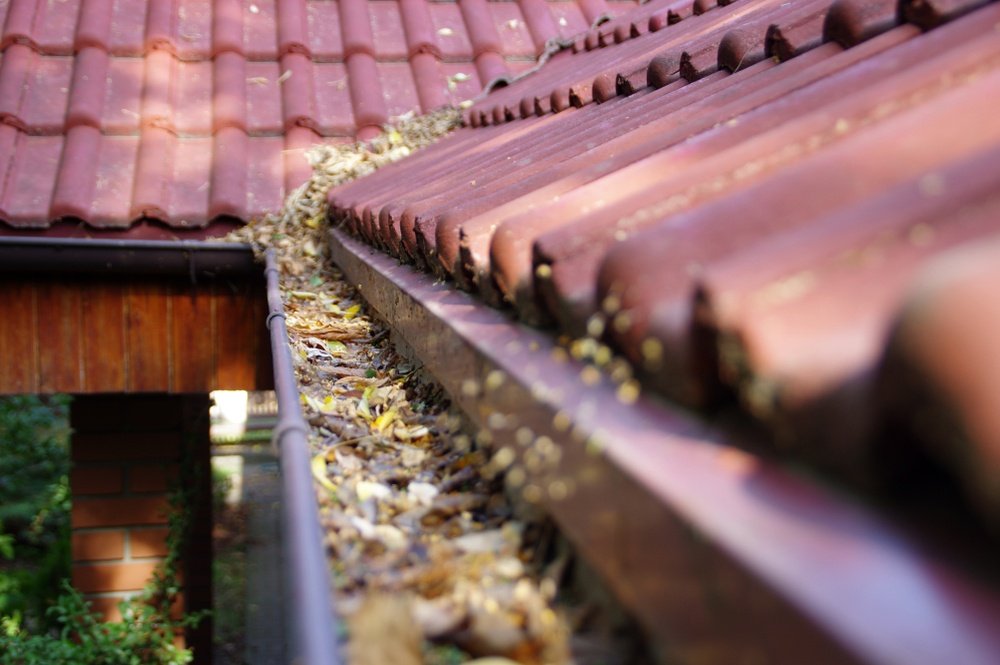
{"x": 200, "y": 83}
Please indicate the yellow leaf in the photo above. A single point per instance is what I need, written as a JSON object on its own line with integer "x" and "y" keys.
{"x": 303, "y": 295}
{"x": 335, "y": 346}
{"x": 314, "y": 222}
{"x": 326, "y": 406}
{"x": 319, "y": 472}
{"x": 352, "y": 311}
{"x": 313, "y": 403}
{"x": 363, "y": 409}
{"x": 384, "y": 420}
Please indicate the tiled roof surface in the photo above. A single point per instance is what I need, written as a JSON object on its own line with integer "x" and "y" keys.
{"x": 185, "y": 111}
{"x": 749, "y": 193}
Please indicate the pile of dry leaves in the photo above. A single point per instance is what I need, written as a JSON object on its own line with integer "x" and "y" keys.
{"x": 429, "y": 562}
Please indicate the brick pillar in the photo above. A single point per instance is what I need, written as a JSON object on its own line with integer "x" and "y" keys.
{"x": 127, "y": 451}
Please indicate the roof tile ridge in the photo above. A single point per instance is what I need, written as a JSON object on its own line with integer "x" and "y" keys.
{"x": 356, "y": 28}
{"x": 8, "y": 143}
{"x": 297, "y": 170}
{"x": 418, "y": 28}
{"x": 429, "y": 81}
{"x": 18, "y": 28}
{"x": 674, "y": 16}
{"x": 229, "y": 94}
{"x": 93, "y": 27}
{"x": 513, "y": 108}
{"x": 691, "y": 63}
{"x": 228, "y": 177}
{"x": 850, "y": 22}
{"x": 293, "y": 37}
{"x": 298, "y": 94}
{"x": 593, "y": 9}
{"x": 541, "y": 24}
{"x": 638, "y": 28}
{"x": 480, "y": 27}
{"x": 73, "y": 194}
{"x": 929, "y": 14}
{"x": 491, "y": 68}
{"x": 85, "y": 105}
{"x": 227, "y": 27}
{"x": 158, "y": 82}
{"x": 740, "y": 48}
{"x": 15, "y": 67}
{"x": 367, "y": 99}
{"x": 800, "y": 31}
{"x": 699, "y": 63}
{"x": 153, "y": 168}
{"x": 161, "y": 27}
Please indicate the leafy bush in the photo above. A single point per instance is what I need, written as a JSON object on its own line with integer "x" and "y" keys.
{"x": 34, "y": 505}
{"x": 34, "y": 465}
{"x": 145, "y": 635}
{"x": 43, "y": 619}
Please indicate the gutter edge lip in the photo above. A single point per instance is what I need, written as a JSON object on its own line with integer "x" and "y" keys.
{"x": 311, "y": 629}
{"x": 121, "y": 243}
{"x": 182, "y": 258}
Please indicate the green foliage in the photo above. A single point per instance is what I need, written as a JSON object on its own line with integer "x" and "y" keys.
{"x": 30, "y": 586}
{"x": 145, "y": 635}
{"x": 34, "y": 506}
{"x": 43, "y": 619}
{"x": 34, "y": 468}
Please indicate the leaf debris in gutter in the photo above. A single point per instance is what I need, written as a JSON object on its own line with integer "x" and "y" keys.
{"x": 429, "y": 561}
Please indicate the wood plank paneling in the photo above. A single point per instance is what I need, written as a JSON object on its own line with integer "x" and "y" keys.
{"x": 235, "y": 341}
{"x": 103, "y": 332}
{"x": 125, "y": 335}
{"x": 258, "y": 323}
{"x": 147, "y": 332}
{"x": 59, "y": 348}
{"x": 18, "y": 338}
{"x": 192, "y": 340}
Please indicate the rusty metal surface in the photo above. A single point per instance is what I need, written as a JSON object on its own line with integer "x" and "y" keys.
{"x": 722, "y": 555}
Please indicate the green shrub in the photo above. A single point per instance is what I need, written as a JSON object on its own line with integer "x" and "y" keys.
{"x": 144, "y": 636}
{"x": 43, "y": 620}
{"x": 34, "y": 506}
{"x": 34, "y": 468}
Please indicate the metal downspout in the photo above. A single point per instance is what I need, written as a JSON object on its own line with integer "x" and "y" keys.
{"x": 312, "y": 626}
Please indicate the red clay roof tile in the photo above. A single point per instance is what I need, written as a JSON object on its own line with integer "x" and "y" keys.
{"x": 387, "y": 30}
{"x": 201, "y": 71}
{"x": 719, "y": 211}
{"x": 128, "y": 28}
{"x": 940, "y": 379}
{"x": 30, "y": 176}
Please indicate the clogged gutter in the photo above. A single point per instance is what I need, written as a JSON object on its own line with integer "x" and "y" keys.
{"x": 428, "y": 561}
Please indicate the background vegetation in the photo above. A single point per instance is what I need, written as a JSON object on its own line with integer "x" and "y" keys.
{"x": 43, "y": 620}
{"x": 34, "y": 507}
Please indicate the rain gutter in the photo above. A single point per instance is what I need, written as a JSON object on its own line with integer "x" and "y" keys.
{"x": 193, "y": 259}
{"x": 312, "y": 626}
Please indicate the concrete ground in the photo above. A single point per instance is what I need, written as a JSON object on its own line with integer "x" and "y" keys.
{"x": 254, "y": 493}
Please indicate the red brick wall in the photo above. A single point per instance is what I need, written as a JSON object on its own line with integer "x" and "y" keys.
{"x": 127, "y": 451}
